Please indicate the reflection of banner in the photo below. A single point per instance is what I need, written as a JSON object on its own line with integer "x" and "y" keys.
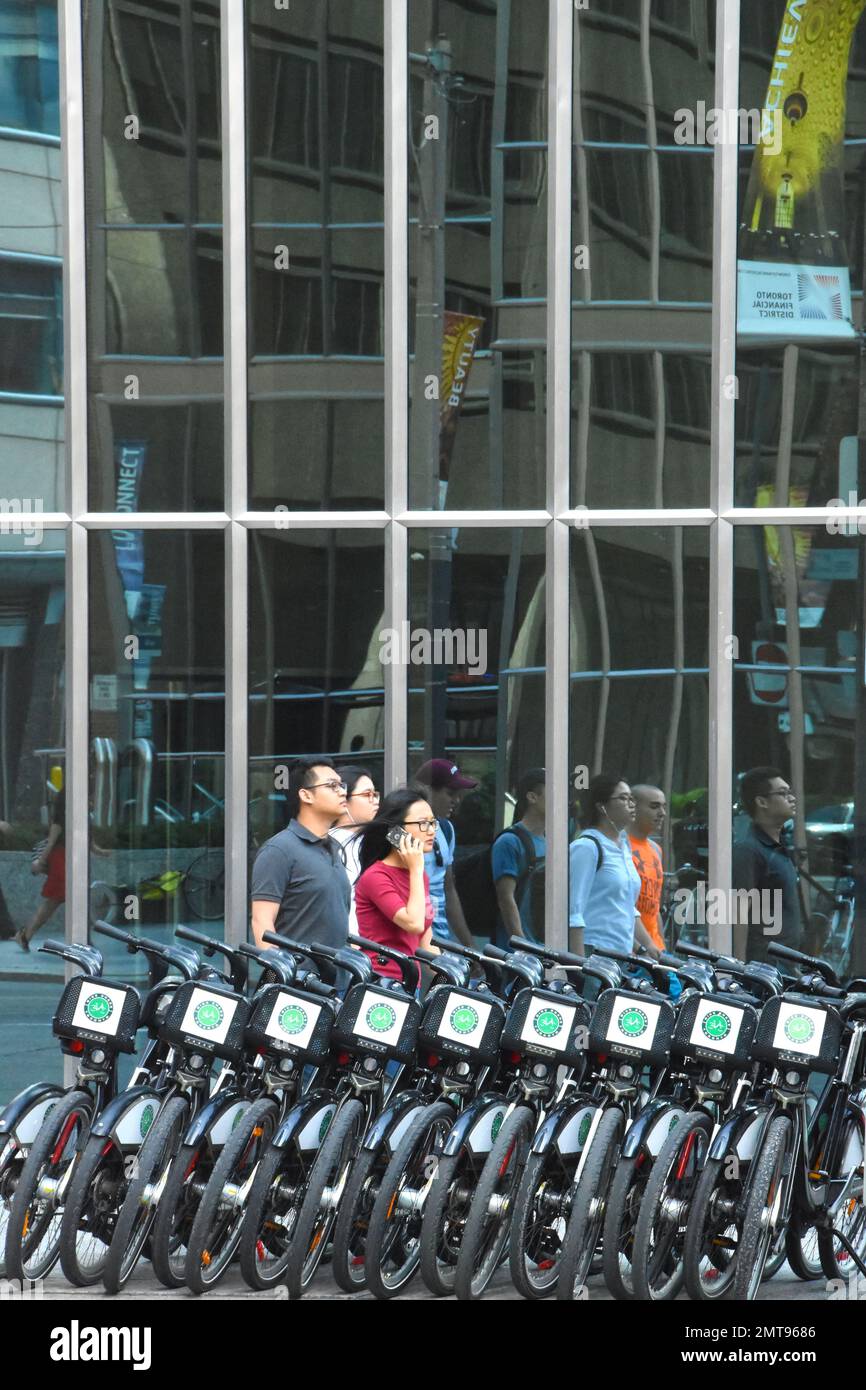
{"x": 792, "y": 265}
{"x": 148, "y": 630}
{"x": 129, "y": 545}
{"x": 459, "y": 338}
{"x": 812, "y": 592}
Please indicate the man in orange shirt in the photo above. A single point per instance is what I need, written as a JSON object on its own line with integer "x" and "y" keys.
{"x": 650, "y": 812}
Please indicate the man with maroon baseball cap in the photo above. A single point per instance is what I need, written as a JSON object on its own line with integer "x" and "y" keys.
{"x": 445, "y": 785}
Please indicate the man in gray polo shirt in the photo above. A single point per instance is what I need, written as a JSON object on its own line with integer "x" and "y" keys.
{"x": 300, "y": 887}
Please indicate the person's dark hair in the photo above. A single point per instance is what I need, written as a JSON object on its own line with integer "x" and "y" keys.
{"x": 373, "y": 844}
{"x": 530, "y": 782}
{"x": 301, "y": 775}
{"x": 599, "y": 791}
{"x": 755, "y": 783}
{"x": 351, "y": 774}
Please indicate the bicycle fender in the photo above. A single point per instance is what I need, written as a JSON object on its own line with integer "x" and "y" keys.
{"x": 28, "y": 1109}
{"x": 127, "y": 1117}
{"x": 307, "y": 1122}
{"x": 222, "y": 1110}
{"x": 651, "y": 1128}
{"x": 741, "y": 1132}
{"x": 391, "y": 1125}
{"x": 566, "y": 1126}
{"x": 478, "y": 1126}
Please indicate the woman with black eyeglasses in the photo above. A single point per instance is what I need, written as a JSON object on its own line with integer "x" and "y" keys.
{"x": 392, "y": 895}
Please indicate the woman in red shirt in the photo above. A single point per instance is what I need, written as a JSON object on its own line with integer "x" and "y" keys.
{"x": 392, "y": 894}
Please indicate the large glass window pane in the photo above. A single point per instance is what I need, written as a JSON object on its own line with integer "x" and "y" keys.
{"x": 316, "y": 604}
{"x": 477, "y": 252}
{"x": 642, "y": 256}
{"x": 154, "y": 255}
{"x": 32, "y": 772}
{"x": 157, "y": 728}
{"x": 800, "y": 708}
{"x": 639, "y": 692}
{"x": 474, "y": 653}
{"x": 800, "y": 256}
{"x": 315, "y": 129}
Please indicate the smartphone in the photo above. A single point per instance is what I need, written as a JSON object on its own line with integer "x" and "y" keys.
{"x": 396, "y": 835}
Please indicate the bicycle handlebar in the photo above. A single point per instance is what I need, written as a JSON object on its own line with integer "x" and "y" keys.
{"x": 812, "y": 962}
{"x": 408, "y": 967}
{"x": 210, "y": 947}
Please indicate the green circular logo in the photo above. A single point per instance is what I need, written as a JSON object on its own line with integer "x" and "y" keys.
{"x": 293, "y": 1019}
{"x": 675, "y": 1119}
{"x": 632, "y": 1022}
{"x": 381, "y": 1017}
{"x": 239, "y": 1115}
{"x": 146, "y": 1120}
{"x": 326, "y": 1124}
{"x": 716, "y": 1026}
{"x": 208, "y": 1015}
{"x": 464, "y": 1019}
{"x": 548, "y": 1022}
{"x": 799, "y": 1028}
{"x": 98, "y": 1008}
{"x": 585, "y": 1127}
{"x": 497, "y": 1124}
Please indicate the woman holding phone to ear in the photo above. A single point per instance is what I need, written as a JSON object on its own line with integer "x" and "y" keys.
{"x": 392, "y": 895}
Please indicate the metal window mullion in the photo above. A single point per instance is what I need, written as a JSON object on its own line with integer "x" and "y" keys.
{"x": 556, "y": 736}
{"x": 722, "y": 446}
{"x": 396, "y": 606}
{"x": 76, "y": 675}
{"x": 236, "y": 559}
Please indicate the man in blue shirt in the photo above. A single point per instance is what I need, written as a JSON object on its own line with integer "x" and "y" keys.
{"x": 445, "y": 784}
{"x": 517, "y": 862}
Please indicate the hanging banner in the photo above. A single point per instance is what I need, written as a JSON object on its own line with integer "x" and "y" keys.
{"x": 460, "y": 334}
{"x": 129, "y": 457}
{"x": 793, "y": 280}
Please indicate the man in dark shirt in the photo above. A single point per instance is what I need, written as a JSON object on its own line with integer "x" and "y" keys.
{"x": 760, "y": 862}
{"x": 300, "y": 887}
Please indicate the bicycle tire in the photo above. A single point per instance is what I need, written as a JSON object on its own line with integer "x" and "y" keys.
{"x": 536, "y": 1279}
{"x": 23, "y": 1260}
{"x": 82, "y": 1210}
{"x": 386, "y": 1233}
{"x": 585, "y": 1224}
{"x": 851, "y": 1214}
{"x": 335, "y": 1156}
{"x": 136, "y": 1217}
{"x": 444, "y": 1221}
{"x": 620, "y": 1219}
{"x": 348, "y": 1259}
{"x": 243, "y": 1148}
{"x": 472, "y": 1276}
{"x": 204, "y": 886}
{"x": 766, "y": 1174}
{"x": 671, "y": 1155}
{"x": 175, "y": 1215}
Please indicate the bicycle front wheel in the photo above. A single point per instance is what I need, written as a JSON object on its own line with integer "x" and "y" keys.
{"x": 489, "y": 1220}
{"x": 589, "y": 1205}
{"x": 35, "y": 1217}
{"x": 659, "y": 1237}
{"x": 139, "y": 1208}
{"x": 763, "y": 1214}
{"x": 327, "y": 1183}
{"x": 95, "y": 1196}
{"x": 394, "y": 1239}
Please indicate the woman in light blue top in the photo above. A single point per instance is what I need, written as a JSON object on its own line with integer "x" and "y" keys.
{"x": 603, "y": 883}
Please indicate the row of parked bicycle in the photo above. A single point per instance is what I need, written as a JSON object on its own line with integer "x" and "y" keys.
{"x": 563, "y": 1115}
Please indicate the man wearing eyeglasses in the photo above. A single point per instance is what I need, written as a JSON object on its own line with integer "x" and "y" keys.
{"x": 445, "y": 784}
{"x": 760, "y": 862}
{"x": 299, "y": 882}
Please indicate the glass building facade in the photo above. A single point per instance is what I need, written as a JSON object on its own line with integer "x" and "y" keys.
{"x": 329, "y": 323}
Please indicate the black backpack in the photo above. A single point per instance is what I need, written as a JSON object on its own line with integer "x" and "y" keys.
{"x": 473, "y": 876}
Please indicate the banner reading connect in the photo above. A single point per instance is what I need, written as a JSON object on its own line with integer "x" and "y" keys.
{"x": 792, "y": 268}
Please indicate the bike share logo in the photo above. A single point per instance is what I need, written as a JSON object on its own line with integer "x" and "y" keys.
{"x": 799, "y": 1029}
{"x": 146, "y": 1120}
{"x": 98, "y": 1008}
{"x": 548, "y": 1022}
{"x": 381, "y": 1018}
{"x": 585, "y": 1127}
{"x": 497, "y": 1125}
{"x": 208, "y": 1015}
{"x": 464, "y": 1019}
{"x": 716, "y": 1026}
{"x": 632, "y": 1022}
{"x": 292, "y": 1019}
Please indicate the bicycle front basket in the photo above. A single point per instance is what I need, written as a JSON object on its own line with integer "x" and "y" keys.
{"x": 544, "y": 1023}
{"x": 799, "y": 1031}
{"x": 461, "y": 1024}
{"x": 290, "y": 1022}
{"x": 208, "y": 1017}
{"x": 380, "y": 1020}
{"x": 100, "y": 1011}
{"x": 627, "y": 1023}
{"x": 716, "y": 1028}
